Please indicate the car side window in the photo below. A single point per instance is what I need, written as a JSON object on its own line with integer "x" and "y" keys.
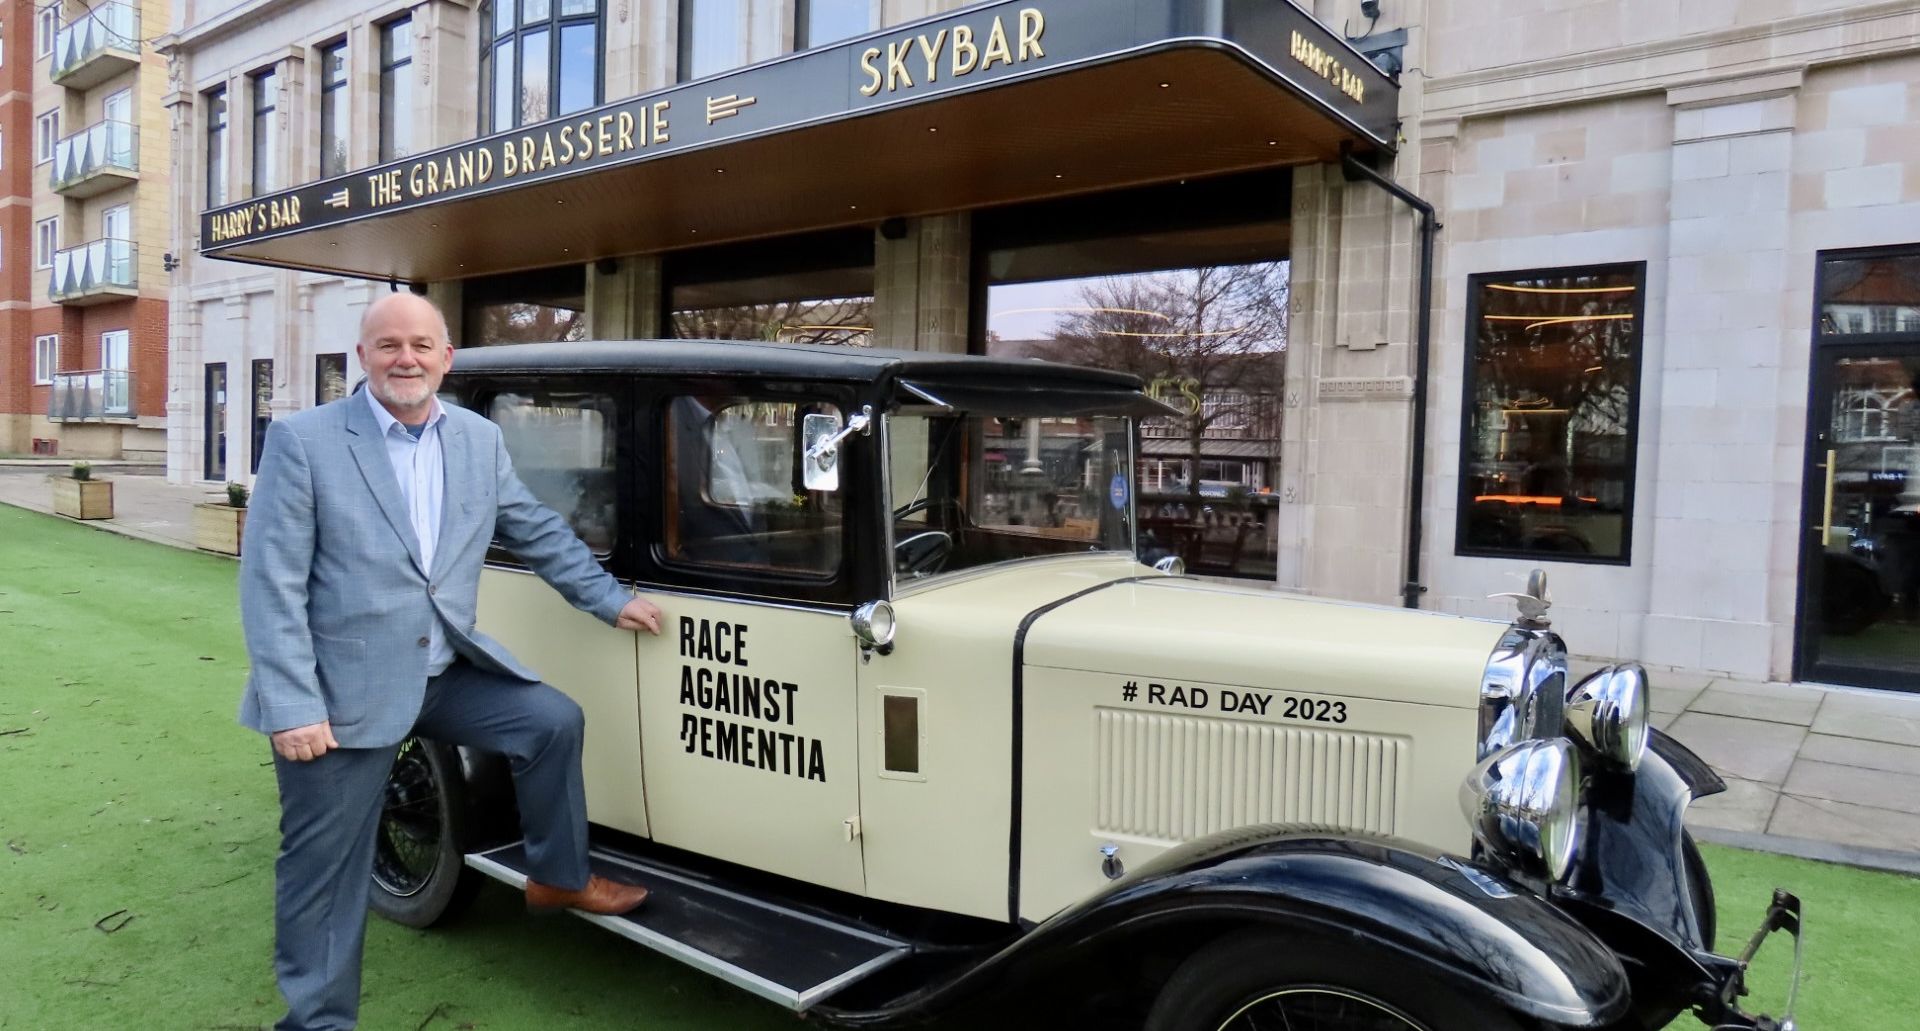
{"x": 735, "y": 496}
{"x": 562, "y": 445}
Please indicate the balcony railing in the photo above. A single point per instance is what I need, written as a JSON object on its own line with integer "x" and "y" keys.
{"x": 93, "y": 272}
{"x": 93, "y": 394}
{"x": 97, "y": 46}
{"x": 100, "y": 157}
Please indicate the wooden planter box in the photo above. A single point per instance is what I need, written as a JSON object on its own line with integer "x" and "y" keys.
{"x": 218, "y": 527}
{"x": 82, "y": 499}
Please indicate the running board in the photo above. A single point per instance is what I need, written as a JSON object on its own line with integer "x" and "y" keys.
{"x": 792, "y": 958}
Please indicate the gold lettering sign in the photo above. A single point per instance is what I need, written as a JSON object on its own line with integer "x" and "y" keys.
{"x": 258, "y": 217}
{"x": 894, "y": 68}
{"x": 1328, "y": 67}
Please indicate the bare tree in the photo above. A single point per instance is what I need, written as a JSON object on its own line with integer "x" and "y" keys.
{"x": 1191, "y": 334}
{"x": 846, "y": 321}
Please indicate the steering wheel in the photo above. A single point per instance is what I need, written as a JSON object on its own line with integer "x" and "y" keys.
{"x": 922, "y": 554}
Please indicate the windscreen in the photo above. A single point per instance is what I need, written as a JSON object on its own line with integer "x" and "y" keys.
{"x": 970, "y": 489}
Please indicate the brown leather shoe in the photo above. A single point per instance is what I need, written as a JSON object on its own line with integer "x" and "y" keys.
{"x": 601, "y": 895}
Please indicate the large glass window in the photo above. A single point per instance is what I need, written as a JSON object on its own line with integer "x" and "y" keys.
{"x": 396, "y": 89}
{"x": 216, "y": 146}
{"x": 1187, "y": 288}
{"x": 713, "y": 36}
{"x": 333, "y": 109}
{"x": 819, "y": 22}
{"x": 329, "y": 377}
{"x": 1552, "y": 377}
{"x": 735, "y": 496}
{"x": 540, "y": 60}
{"x": 266, "y": 91}
{"x": 525, "y": 307}
{"x": 562, "y": 445}
{"x": 812, "y": 290}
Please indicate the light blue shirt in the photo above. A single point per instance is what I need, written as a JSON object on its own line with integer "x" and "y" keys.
{"x": 421, "y": 468}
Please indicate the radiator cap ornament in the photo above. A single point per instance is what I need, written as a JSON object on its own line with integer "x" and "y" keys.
{"x": 1534, "y": 603}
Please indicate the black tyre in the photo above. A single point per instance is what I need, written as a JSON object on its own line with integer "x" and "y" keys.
{"x": 420, "y": 876}
{"x": 1259, "y": 979}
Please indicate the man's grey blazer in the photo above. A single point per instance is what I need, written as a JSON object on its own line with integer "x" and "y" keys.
{"x": 334, "y": 602}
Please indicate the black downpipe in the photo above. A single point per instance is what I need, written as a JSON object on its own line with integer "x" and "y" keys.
{"x": 1355, "y": 170}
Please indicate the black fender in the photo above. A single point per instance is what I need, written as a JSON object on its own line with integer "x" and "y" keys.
{"x": 1462, "y": 924}
{"x": 493, "y": 812}
{"x": 1699, "y": 777}
{"x": 1629, "y": 885}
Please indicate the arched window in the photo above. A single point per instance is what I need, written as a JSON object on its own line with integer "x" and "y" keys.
{"x": 539, "y": 59}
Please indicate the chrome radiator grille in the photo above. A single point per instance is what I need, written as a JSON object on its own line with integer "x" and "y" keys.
{"x": 1181, "y": 777}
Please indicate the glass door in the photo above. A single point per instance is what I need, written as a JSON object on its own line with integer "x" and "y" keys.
{"x": 1860, "y": 569}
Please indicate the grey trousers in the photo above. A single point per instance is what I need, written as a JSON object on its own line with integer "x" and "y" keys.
{"x": 330, "y": 811}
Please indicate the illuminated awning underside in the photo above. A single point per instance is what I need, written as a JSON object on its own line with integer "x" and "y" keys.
{"x": 1098, "y": 109}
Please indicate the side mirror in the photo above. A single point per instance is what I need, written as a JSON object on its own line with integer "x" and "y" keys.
{"x": 821, "y": 464}
{"x": 820, "y": 435}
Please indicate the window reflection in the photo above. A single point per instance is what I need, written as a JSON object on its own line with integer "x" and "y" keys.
{"x": 1870, "y": 295}
{"x": 563, "y": 450}
{"x": 735, "y": 494}
{"x": 825, "y": 21}
{"x": 525, "y": 307}
{"x": 713, "y": 36}
{"x": 333, "y": 109}
{"x": 396, "y": 89}
{"x": 1209, "y": 342}
{"x": 1547, "y": 455}
{"x": 816, "y": 289}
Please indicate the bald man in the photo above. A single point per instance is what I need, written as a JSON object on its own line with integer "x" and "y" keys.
{"x": 369, "y": 525}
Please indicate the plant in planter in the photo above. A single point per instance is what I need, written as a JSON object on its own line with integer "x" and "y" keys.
{"x": 78, "y": 495}
{"x": 218, "y": 526}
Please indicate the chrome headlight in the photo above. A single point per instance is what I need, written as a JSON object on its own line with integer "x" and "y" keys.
{"x": 1607, "y": 712}
{"x": 1523, "y": 805}
{"x": 1524, "y": 689}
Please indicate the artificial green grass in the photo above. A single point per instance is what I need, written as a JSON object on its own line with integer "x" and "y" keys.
{"x": 138, "y": 823}
{"x": 138, "y": 826}
{"x": 1860, "y": 927}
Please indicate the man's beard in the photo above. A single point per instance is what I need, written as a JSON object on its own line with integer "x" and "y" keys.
{"x": 403, "y": 392}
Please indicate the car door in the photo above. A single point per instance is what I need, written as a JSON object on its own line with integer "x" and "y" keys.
{"x": 748, "y": 715}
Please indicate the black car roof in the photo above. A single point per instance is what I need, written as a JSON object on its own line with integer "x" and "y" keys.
{"x": 782, "y": 361}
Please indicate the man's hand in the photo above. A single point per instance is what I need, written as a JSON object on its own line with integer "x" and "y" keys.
{"x": 304, "y": 744}
{"x": 640, "y": 614}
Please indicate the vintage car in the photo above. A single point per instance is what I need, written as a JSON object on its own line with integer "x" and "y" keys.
{"x": 922, "y": 730}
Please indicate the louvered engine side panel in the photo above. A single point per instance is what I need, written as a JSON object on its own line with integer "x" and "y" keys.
{"x": 1181, "y": 777}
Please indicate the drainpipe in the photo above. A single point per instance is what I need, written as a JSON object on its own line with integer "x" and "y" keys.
{"x": 1356, "y": 170}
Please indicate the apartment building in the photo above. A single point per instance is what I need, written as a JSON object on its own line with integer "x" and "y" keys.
{"x": 85, "y": 232}
{"x": 1629, "y": 291}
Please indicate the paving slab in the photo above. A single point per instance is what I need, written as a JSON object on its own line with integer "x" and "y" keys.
{"x": 1775, "y": 703}
{"x": 1853, "y": 751}
{"x": 1746, "y": 806}
{"x": 1748, "y": 749}
{"x": 1878, "y": 789}
{"x": 1845, "y": 823}
{"x": 1888, "y": 717}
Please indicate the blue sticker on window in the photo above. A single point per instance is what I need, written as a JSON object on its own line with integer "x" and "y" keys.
{"x": 1117, "y": 491}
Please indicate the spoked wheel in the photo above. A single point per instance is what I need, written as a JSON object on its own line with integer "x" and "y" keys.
{"x": 1319, "y": 1008}
{"x": 1262, "y": 980}
{"x": 419, "y": 853}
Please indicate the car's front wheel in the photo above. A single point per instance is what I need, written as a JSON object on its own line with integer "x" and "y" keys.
{"x": 420, "y": 876}
{"x": 1254, "y": 980}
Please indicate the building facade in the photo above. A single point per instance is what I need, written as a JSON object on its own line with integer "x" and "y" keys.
{"x": 86, "y": 232}
{"x": 1665, "y": 346}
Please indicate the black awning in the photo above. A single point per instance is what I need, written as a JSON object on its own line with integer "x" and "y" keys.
{"x": 994, "y": 103}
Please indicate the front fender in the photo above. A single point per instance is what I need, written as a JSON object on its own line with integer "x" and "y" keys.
{"x": 1460, "y": 923}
